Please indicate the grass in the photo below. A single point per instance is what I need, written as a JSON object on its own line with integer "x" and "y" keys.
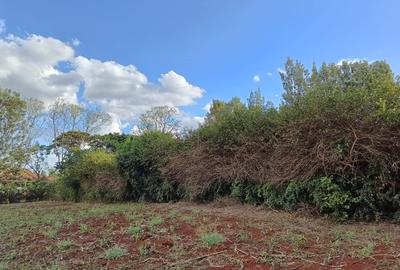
{"x": 188, "y": 219}
{"x": 84, "y": 228}
{"x": 211, "y": 238}
{"x": 155, "y": 221}
{"x": 115, "y": 253}
{"x": 135, "y": 231}
{"x": 60, "y": 235}
{"x": 65, "y": 244}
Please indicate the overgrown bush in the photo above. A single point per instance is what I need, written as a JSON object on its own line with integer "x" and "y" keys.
{"x": 140, "y": 159}
{"x": 19, "y": 191}
{"x": 91, "y": 175}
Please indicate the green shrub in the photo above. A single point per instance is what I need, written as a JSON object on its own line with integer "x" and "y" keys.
{"x": 141, "y": 158}
{"x": 331, "y": 199}
{"x": 17, "y": 191}
{"x": 91, "y": 175}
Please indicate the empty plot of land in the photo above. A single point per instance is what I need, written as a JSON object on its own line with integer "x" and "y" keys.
{"x": 55, "y": 235}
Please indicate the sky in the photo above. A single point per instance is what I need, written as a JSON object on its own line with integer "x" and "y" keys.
{"x": 127, "y": 56}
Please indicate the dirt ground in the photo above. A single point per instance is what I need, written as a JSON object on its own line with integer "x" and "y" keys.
{"x": 57, "y": 235}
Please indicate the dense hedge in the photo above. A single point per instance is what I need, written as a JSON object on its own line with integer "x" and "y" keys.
{"x": 333, "y": 144}
{"x": 140, "y": 159}
{"x": 91, "y": 175}
{"x": 25, "y": 191}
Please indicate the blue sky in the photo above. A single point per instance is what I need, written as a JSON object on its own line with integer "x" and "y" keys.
{"x": 217, "y": 45}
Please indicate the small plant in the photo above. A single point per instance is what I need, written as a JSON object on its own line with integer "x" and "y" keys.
{"x": 243, "y": 235}
{"x": 65, "y": 244}
{"x": 115, "y": 253}
{"x": 51, "y": 233}
{"x": 84, "y": 228}
{"x": 144, "y": 251}
{"x": 155, "y": 221}
{"x": 365, "y": 251}
{"x": 212, "y": 238}
{"x": 188, "y": 219}
{"x": 134, "y": 231}
{"x": 298, "y": 240}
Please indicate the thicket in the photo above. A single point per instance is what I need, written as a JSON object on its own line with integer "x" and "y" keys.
{"x": 333, "y": 144}
{"x": 91, "y": 175}
{"x": 25, "y": 191}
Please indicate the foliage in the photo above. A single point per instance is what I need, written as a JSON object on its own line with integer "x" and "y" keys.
{"x": 18, "y": 120}
{"x": 161, "y": 118}
{"x": 18, "y": 191}
{"x": 140, "y": 159}
{"x": 91, "y": 175}
{"x": 330, "y": 198}
{"x": 63, "y": 117}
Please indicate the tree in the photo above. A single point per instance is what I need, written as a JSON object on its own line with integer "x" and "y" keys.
{"x": 161, "y": 118}
{"x": 63, "y": 117}
{"x": 295, "y": 80}
{"x": 18, "y": 118}
{"x": 256, "y": 99}
{"x": 37, "y": 161}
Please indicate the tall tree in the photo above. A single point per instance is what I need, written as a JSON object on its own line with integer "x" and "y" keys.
{"x": 161, "y": 118}
{"x": 295, "y": 80}
{"x": 18, "y": 118}
{"x": 256, "y": 99}
{"x": 64, "y": 117}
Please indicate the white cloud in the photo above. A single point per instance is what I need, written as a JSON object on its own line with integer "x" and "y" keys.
{"x": 46, "y": 68}
{"x": 2, "y": 25}
{"x": 256, "y": 78}
{"x": 269, "y": 74}
{"x": 29, "y": 65}
{"x": 76, "y": 42}
{"x": 126, "y": 92}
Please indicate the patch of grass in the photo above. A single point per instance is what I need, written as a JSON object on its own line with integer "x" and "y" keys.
{"x": 115, "y": 253}
{"x": 65, "y": 244}
{"x": 84, "y": 228}
{"x": 144, "y": 251}
{"x": 135, "y": 231}
{"x": 51, "y": 233}
{"x": 188, "y": 219}
{"x": 243, "y": 235}
{"x": 155, "y": 221}
{"x": 211, "y": 238}
{"x": 297, "y": 240}
{"x": 173, "y": 213}
{"x": 364, "y": 251}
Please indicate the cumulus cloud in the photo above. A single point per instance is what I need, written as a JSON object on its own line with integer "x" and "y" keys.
{"x": 33, "y": 66}
{"x": 29, "y": 65}
{"x": 256, "y": 78}
{"x": 269, "y": 74}
{"x": 126, "y": 92}
{"x": 2, "y": 25}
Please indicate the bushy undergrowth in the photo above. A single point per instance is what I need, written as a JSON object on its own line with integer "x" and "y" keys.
{"x": 91, "y": 175}
{"x": 19, "y": 191}
{"x": 333, "y": 144}
{"x": 140, "y": 159}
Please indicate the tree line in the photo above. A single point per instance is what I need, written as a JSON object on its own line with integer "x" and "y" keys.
{"x": 332, "y": 144}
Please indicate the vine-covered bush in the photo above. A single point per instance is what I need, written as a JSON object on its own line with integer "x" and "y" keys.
{"x": 91, "y": 175}
{"x": 140, "y": 159}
